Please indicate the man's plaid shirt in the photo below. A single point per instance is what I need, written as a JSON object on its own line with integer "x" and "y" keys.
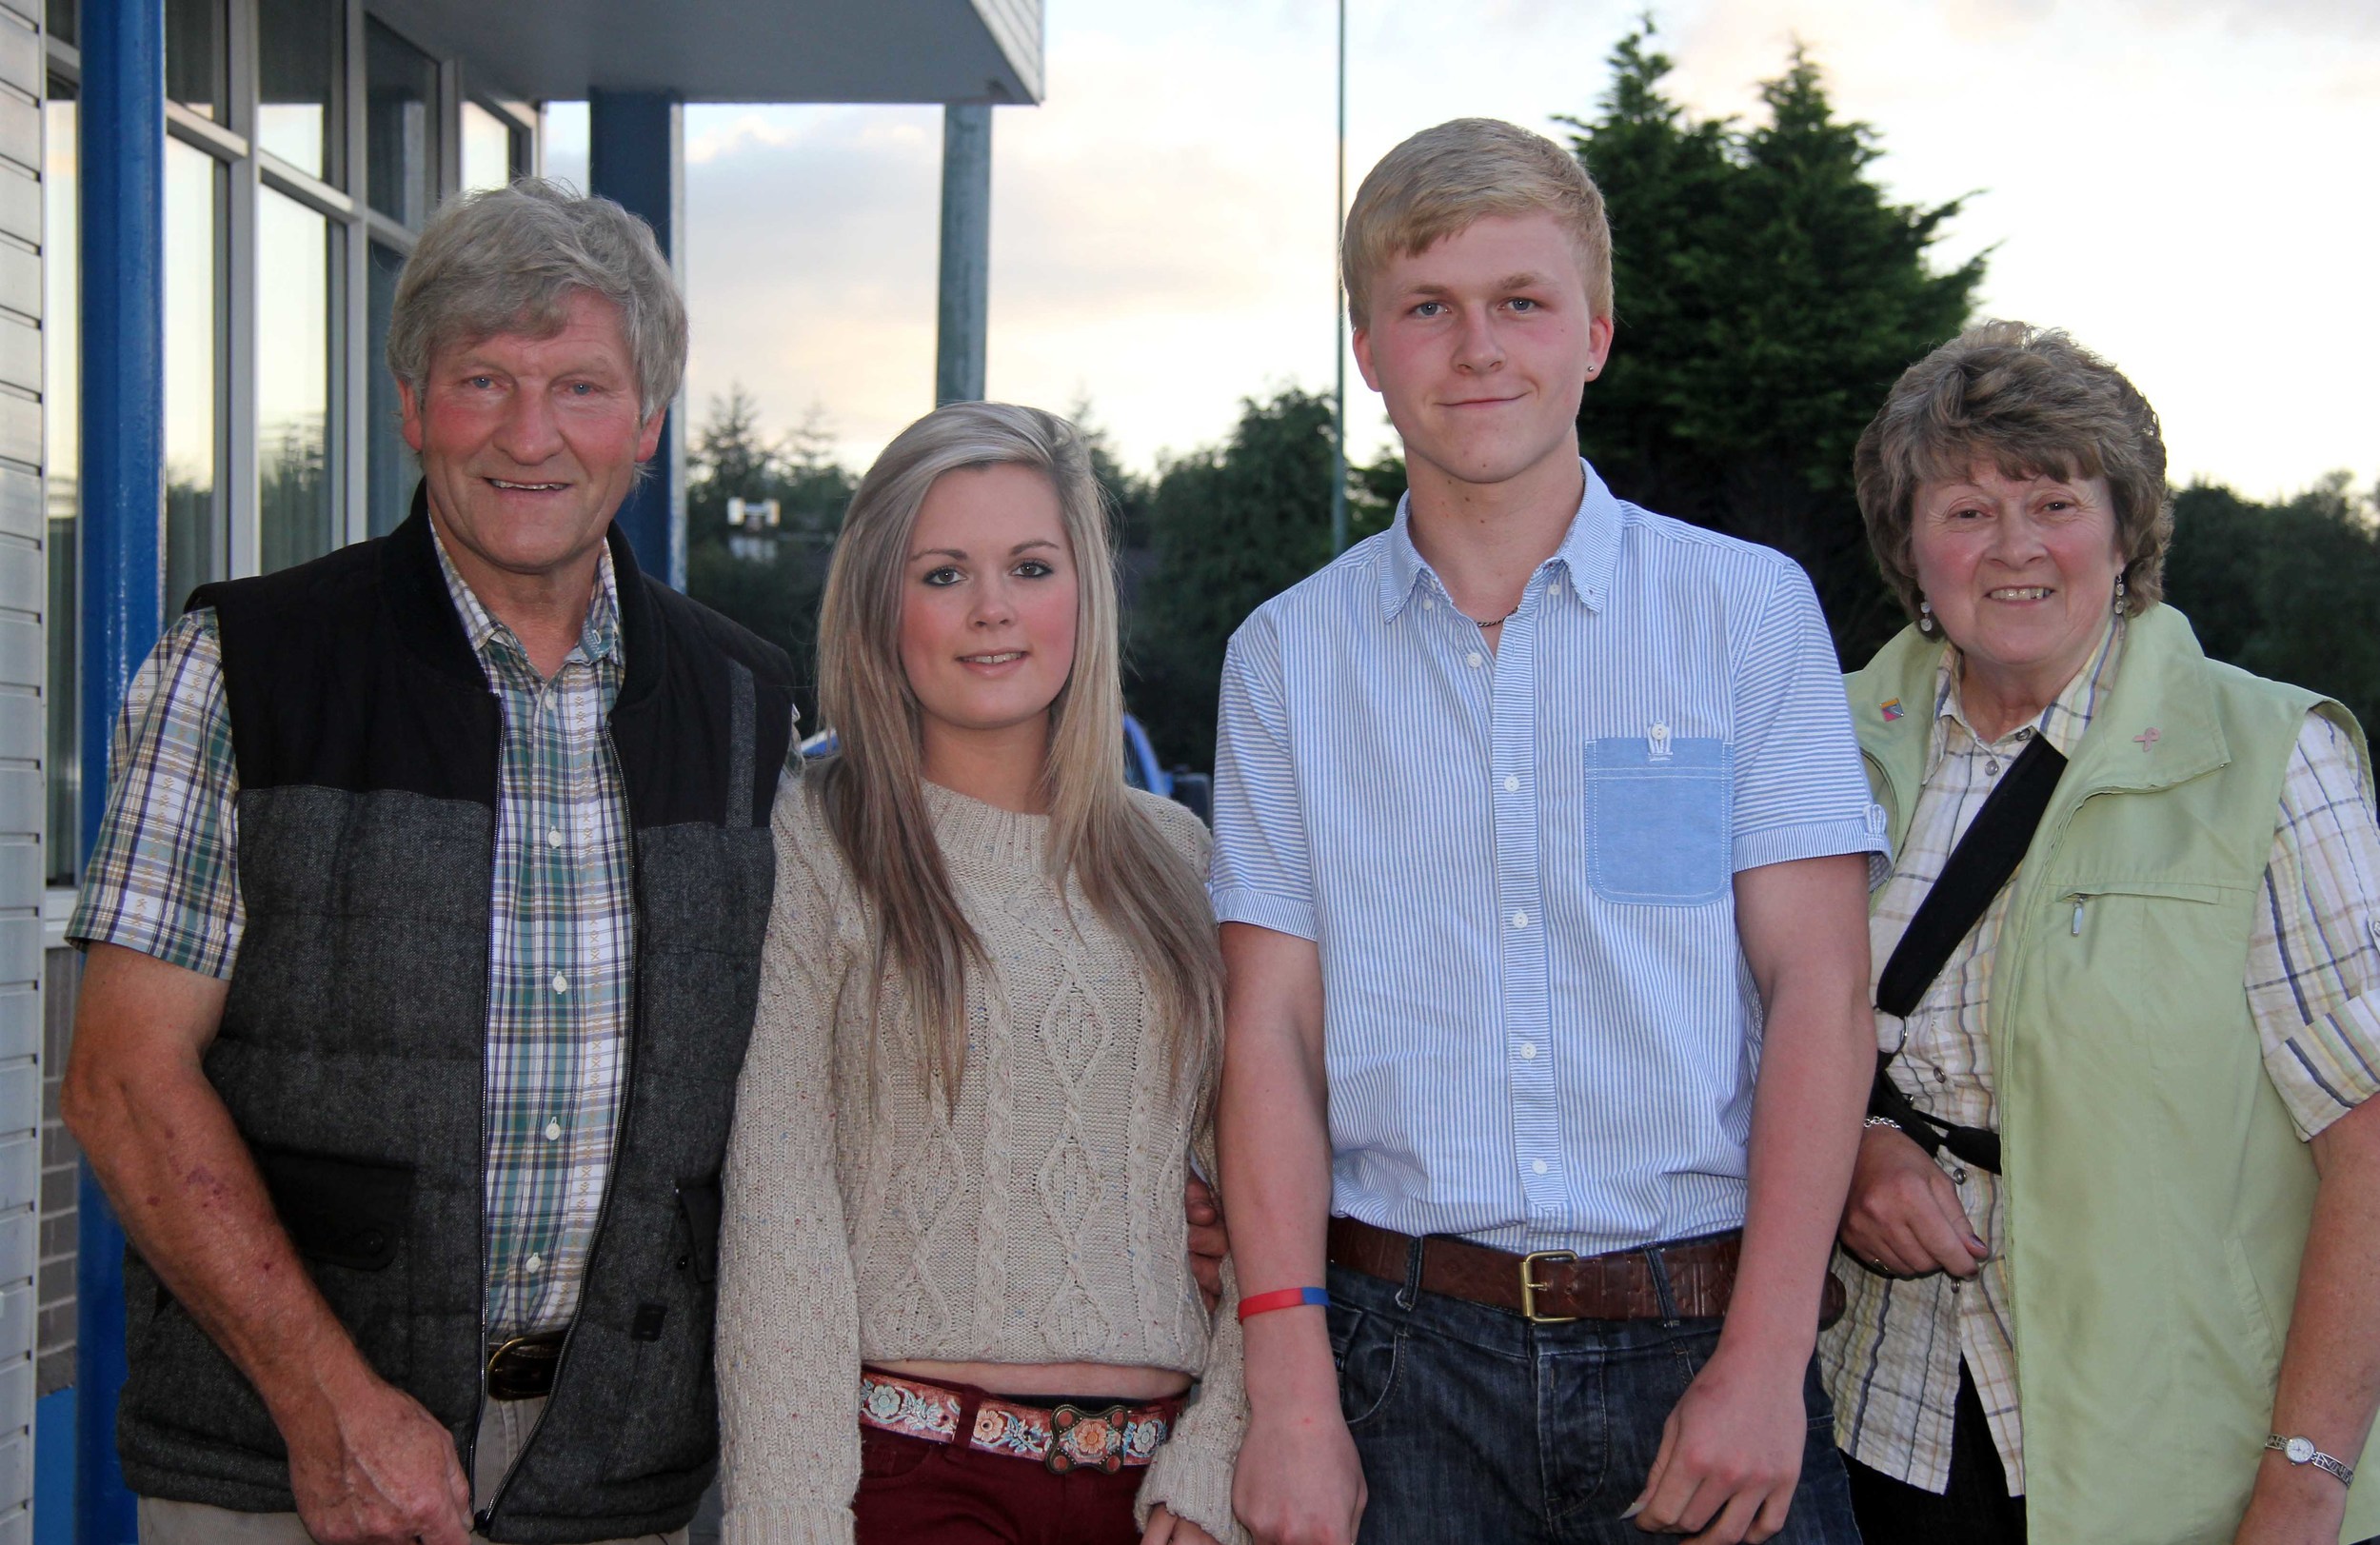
{"x": 163, "y": 880}
{"x": 1892, "y": 1362}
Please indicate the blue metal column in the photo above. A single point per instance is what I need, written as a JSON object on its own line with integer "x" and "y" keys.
{"x": 636, "y": 155}
{"x": 962, "y": 315}
{"x": 123, "y": 153}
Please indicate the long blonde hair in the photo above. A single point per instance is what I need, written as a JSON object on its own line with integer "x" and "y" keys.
{"x": 872, "y": 788}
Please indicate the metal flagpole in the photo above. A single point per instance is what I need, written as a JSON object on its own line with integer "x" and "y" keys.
{"x": 1338, "y": 332}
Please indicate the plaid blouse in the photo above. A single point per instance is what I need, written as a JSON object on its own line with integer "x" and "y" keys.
{"x": 163, "y": 880}
{"x": 1892, "y": 1362}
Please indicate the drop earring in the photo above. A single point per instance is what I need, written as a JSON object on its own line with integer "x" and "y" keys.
{"x": 2119, "y": 592}
{"x": 1925, "y": 617}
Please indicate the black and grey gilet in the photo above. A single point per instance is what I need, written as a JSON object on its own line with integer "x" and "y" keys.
{"x": 352, "y": 1045}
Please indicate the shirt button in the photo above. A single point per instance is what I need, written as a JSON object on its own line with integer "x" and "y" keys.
{"x": 534, "y": 1264}
{"x": 1474, "y": 659}
{"x": 561, "y": 983}
{"x": 1991, "y": 769}
{"x": 1554, "y": 589}
{"x": 1427, "y": 604}
{"x": 553, "y": 838}
{"x": 1528, "y": 1051}
{"x": 1512, "y": 784}
{"x": 1520, "y": 919}
{"x": 1940, "y": 1076}
{"x": 1538, "y": 1167}
{"x": 553, "y": 1130}
{"x": 1959, "y": 1175}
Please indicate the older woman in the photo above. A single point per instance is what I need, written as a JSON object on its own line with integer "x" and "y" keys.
{"x": 2115, "y": 1232}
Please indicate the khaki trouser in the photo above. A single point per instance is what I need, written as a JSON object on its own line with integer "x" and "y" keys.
{"x": 504, "y": 1428}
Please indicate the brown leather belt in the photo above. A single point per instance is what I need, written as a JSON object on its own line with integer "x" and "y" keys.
{"x": 522, "y": 1367}
{"x": 1552, "y": 1286}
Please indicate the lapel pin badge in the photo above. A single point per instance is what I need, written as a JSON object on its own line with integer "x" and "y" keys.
{"x": 2146, "y": 738}
{"x": 1891, "y": 708}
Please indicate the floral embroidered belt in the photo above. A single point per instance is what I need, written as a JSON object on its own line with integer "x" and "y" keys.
{"x": 1062, "y": 1438}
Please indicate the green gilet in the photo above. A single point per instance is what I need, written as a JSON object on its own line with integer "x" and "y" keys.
{"x": 2158, "y": 1196}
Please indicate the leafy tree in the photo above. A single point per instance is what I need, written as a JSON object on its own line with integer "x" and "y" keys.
{"x": 770, "y": 581}
{"x": 1230, "y": 526}
{"x": 1768, "y": 293}
{"x": 2289, "y": 590}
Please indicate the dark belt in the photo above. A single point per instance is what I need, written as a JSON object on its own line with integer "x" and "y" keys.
{"x": 522, "y": 1367}
{"x": 1552, "y": 1286}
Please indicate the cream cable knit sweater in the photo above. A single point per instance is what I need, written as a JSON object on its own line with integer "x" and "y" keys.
{"x": 1042, "y": 1222}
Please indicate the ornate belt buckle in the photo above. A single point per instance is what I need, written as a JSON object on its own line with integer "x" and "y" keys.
{"x": 1085, "y": 1439}
{"x": 1531, "y": 1287}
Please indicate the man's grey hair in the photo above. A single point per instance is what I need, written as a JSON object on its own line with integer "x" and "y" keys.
{"x": 509, "y": 260}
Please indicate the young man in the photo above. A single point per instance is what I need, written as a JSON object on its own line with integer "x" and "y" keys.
{"x": 1540, "y": 856}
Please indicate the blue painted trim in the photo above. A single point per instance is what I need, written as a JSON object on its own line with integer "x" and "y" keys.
{"x": 122, "y": 313}
{"x": 53, "y": 1468}
{"x": 635, "y": 156}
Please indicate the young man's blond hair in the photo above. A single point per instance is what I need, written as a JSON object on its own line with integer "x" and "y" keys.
{"x": 1442, "y": 179}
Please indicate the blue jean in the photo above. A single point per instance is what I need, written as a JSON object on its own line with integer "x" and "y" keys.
{"x": 1475, "y": 1425}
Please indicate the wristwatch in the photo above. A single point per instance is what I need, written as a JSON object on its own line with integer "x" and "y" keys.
{"x": 2302, "y": 1451}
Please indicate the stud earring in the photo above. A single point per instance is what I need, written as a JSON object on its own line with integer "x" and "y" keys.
{"x": 1925, "y": 617}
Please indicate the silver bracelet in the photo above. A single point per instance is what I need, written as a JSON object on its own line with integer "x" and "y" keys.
{"x": 2302, "y": 1451}
{"x": 1875, "y": 1122}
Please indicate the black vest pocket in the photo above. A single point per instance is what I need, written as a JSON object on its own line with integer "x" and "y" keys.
{"x": 342, "y": 1212}
{"x": 671, "y": 1425}
{"x": 352, "y": 1221}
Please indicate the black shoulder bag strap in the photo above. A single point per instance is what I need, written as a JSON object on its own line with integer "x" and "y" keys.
{"x": 1978, "y": 870}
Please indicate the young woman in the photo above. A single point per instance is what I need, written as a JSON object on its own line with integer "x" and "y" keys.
{"x": 953, "y": 1269}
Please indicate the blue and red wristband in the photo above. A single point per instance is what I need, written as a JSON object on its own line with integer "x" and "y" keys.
{"x": 1265, "y": 1303}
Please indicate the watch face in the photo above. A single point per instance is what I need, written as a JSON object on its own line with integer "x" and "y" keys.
{"x": 2300, "y": 1450}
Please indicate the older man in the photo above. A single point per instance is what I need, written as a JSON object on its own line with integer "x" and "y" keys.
{"x": 423, "y": 932}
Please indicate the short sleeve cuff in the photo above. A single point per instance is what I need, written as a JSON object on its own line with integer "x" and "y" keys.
{"x": 1240, "y": 904}
{"x": 2328, "y": 1068}
{"x": 1817, "y": 839}
{"x": 188, "y": 938}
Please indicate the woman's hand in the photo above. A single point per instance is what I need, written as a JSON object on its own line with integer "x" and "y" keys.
{"x": 1164, "y": 1529}
{"x": 1904, "y": 1217}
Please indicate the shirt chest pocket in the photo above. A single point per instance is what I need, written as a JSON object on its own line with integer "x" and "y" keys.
{"x": 1657, "y": 829}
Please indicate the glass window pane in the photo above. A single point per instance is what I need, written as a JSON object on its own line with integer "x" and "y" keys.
{"x": 294, "y": 504}
{"x": 300, "y": 52}
{"x": 195, "y": 55}
{"x": 194, "y": 549}
{"x": 400, "y": 127}
{"x": 390, "y": 471}
{"x": 62, "y": 456}
{"x": 487, "y": 159}
{"x": 62, "y": 19}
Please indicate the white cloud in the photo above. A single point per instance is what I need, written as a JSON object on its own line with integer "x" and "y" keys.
{"x": 2162, "y": 178}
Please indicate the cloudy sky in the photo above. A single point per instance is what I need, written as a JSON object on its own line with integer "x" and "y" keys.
{"x": 2186, "y": 185}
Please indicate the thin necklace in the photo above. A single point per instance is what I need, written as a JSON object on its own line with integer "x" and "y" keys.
{"x": 1501, "y": 621}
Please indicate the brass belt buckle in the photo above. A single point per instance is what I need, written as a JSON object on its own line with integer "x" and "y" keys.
{"x": 1531, "y": 1287}
{"x": 506, "y": 1345}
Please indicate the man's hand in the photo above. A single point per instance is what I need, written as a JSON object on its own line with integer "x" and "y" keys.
{"x": 1730, "y": 1455}
{"x": 1299, "y": 1480}
{"x": 369, "y": 1466}
{"x": 1164, "y": 1529}
{"x": 1209, "y": 1244}
{"x": 1904, "y": 1215}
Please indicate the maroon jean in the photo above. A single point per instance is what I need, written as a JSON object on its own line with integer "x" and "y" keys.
{"x": 913, "y": 1492}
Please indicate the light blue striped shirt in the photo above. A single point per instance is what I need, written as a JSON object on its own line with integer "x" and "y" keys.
{"x": 1518, "y": 863}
